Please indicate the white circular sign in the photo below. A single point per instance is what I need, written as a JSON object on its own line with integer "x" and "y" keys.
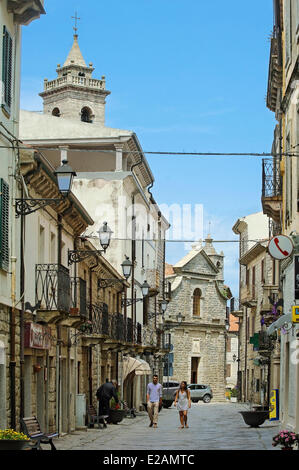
{"x": 280, "y": 247}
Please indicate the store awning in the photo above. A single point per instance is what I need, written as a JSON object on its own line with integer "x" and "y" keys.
{"x": 132, "y": 364}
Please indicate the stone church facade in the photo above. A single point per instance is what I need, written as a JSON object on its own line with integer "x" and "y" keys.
{"x": 199, "y": 294}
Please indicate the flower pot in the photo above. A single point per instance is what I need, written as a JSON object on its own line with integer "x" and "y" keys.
{"x": 6, "y": 444}
{"x": 74, "y": 311}
{"x": 233, "y": 399}
{"x": 254, "y": 418}
{"x": 116, "y": 416}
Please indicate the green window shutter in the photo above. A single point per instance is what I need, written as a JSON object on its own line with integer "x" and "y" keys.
{"x": 4, "y": 225}
{"x": 6, "y": 70}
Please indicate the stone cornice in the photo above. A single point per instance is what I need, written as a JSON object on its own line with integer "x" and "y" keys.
{"x": 40, "y": 178}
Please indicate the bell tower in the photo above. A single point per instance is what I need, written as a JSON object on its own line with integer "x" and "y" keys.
{"x": 75, "y": 94}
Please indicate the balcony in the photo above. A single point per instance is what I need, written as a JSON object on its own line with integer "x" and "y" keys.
{"x": 236, "y": 307}
{"x": 53, "y": 291}
{"x": 248, "y": 296}
{"x": 270, "y": 296}
{"x": 25, "y": 11}
{"x": 271, "y": 189}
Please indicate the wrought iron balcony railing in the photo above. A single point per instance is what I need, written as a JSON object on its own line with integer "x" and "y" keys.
{"x": 78, "y": 291}
{"x": 52, "y": 287}
{"x": 271, "y": 178}
{"x": 99, "y": 317}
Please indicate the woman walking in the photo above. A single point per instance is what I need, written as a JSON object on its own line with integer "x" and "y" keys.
{"x": 183, "y": 399}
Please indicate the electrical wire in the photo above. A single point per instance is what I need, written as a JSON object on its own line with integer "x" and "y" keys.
{"x": 201, "y": 154}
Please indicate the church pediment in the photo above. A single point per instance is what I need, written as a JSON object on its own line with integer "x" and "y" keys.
{"x": 197, "y": 263}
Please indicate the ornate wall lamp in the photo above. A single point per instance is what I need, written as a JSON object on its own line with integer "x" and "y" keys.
{"x": 126, "y": 269}
{"x": 163, "y": 307}
{"x": 75, "y": 256}
{"x": 64, "y": 175}
{"x": 145, "y": 291}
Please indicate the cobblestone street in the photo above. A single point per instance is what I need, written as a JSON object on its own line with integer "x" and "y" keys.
{"x": 213, "y": 426}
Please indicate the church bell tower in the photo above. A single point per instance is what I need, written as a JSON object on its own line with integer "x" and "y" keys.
{"x": 75, "y": 94}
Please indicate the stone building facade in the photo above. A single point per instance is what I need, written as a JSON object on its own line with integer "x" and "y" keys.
{"x": 113, "y": 183}
{"x": 12, "y": 16}
{"x": 259, "y": 358}
{"x": 280, "y": 198}
{"x": 199, "y": 294}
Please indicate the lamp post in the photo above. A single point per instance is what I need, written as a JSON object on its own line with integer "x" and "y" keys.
{"x": 64, "y": 174}
{"x": 75, "y": 256}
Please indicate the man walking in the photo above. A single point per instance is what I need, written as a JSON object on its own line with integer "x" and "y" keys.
{"x": 154, "y": 400}
{"x": 104, "y": 394}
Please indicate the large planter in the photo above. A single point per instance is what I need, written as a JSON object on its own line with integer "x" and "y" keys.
{"x": 260, "y": 408}
{"x": 233, "y": 399}
{"x": 116, "y": 416}
{"x": 6, "y": 444}
{"x": 254, "y": 418}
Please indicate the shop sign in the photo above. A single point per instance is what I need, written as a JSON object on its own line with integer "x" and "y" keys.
{"x": 295, "y": 314}
{"x": 37, "y": 336}
{"x": 280, "y": 247}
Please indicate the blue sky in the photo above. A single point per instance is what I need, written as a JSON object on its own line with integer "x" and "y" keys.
{"x": 185, "y": 76}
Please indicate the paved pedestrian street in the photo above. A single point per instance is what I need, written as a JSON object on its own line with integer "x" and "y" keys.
{"x": 212, "y": 426}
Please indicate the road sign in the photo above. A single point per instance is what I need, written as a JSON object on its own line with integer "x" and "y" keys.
{"x": 280, "y": 247}
{"x": 295, "y": 314}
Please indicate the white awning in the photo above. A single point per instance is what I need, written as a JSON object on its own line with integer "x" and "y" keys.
{"x": 132, "y": 364}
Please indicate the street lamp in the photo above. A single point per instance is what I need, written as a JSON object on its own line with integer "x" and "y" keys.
{"x": 105, "y": 236}
{"x": 75, "y": 256}
{"x": 109, "y": 282}
{"x": 64, "y": 175}
{"x": 163, "y": 305}
{"x": 127, "y": 267}
{"x": 145, "y": 291}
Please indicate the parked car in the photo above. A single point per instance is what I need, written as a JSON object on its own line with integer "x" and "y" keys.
{"x": 168, "y": 393}
{"x": 200, "y": 392}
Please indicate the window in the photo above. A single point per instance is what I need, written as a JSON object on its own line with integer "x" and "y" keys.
{"x": 228, "y": 370}
{"x": 196, "y": 302}
{"x": 228, "y": 344}
{"x": 7, "y": 70}
{"x": 263, "y": 271}
{"x": 56, "y": 112}
{"x": 86, "y": 114}
{"x": 4, "y": 229}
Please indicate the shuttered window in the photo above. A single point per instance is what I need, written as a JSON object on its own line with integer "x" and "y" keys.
{"x": 6, "y": 70}
{"x": 4, "y": 219}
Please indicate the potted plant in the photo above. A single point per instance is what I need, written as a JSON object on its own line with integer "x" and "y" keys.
{"x": 286, "y": 439}
{"x": 234, "y": 395}
{"x": 12, "y": 440}
{"x": 116, "y": 412}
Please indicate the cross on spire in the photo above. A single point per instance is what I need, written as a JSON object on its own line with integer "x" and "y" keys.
{"x": 75, "y": 18}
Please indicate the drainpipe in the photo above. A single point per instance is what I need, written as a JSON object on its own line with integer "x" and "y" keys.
{"x": 58, "y": 328}
{"x": 245, "y": 366}
{"x": 22, "y": 292}
{"x": 90, "y": 347}
{"x": 12, "y": 368}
